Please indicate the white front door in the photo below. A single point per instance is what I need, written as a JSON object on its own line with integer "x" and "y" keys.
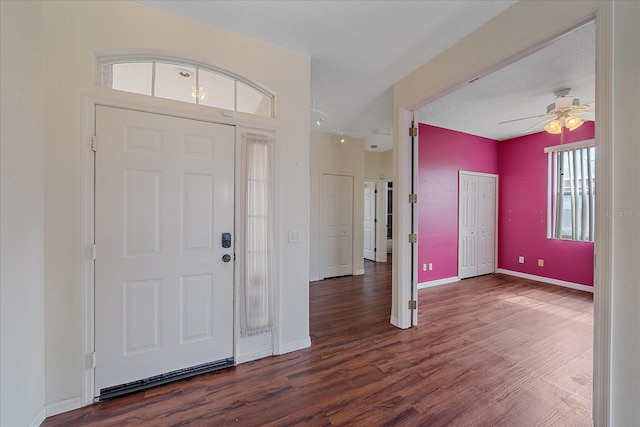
{"x": 370, "y": 221}
{"x": 164, "y": 194}
{"x": 337, "y": 225}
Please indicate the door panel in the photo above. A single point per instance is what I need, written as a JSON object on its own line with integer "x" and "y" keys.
{"x": 337, "y": 225}
{"x": 164, "y": 195}
{"x": 468, "y": 211}
{"x": 370, "y": 221}
{"x": 486, "y": 225}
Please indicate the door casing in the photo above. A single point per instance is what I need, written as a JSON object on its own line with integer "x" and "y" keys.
{"x": 88, "y": 109}
{"x": 495, "y": 219}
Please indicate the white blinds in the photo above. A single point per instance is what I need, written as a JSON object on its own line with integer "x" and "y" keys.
{"x": 257, "y": 304}
{"x": 573, "y": 202}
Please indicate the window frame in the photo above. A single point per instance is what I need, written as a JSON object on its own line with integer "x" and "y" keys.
{"x": 552, "y": 188}
{"x": 106, "y": 60}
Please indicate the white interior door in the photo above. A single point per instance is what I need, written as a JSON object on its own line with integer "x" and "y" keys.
{"x": 163, "y": 294}
{"x": 337, "y": 225}
{"x": 468, "y": 226}
{"x": 476, "y": 224}
{"x": 370, "y": 221}
{"x": 486, "y": 224}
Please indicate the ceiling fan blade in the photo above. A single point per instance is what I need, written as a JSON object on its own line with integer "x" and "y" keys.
{"x": 536, "y": 125}
{"x": 524, "y": 118}
{"x": 585, "y": 107}
{"x": 588, "y": 115}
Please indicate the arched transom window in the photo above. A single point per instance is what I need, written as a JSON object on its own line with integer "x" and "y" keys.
{"x": 192, "y": 83}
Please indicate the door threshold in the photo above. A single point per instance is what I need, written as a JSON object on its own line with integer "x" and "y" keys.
{"x": 180, "y": 374}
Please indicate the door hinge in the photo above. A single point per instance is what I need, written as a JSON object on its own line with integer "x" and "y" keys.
{"x": 413, "y": 238}
{"x": 375, "y": 249}
{"x": 93, "y": 252}
{"x": 375, "y": 220}
{"x": 413, "y": 131}
{"x": 93, "y": 142}
{"x": 413, "y": 198}
{"x": 93, "y": 360}
{"x": 413, "y": 304}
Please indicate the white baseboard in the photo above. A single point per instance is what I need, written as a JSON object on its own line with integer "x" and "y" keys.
{"x": 295, "y": 346}
{"x": 358, "y": 272}
{"x": 556, "y": 282}
{"x": 432, "y": 283}
{"x": 314, "y": 278}
{"x": 255, "y": 355}
{"x": 394, "y": 321}
{"x": 66, "y": 405}
{"x": 39, "y": 419}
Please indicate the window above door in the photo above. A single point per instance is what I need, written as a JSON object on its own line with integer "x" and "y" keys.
{"x": 187, "y": 82}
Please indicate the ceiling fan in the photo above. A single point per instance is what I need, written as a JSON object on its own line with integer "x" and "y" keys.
{"x": 565, "y": 111}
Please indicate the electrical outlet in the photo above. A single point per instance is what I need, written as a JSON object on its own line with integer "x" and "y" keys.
{"x": 540, "y": 263}
{"x": 521, "y": 259}
{"x": 424, "y": 267}
{"x": 430, "y": 266}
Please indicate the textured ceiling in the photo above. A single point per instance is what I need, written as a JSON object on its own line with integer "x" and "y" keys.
{"x": 522, "y": 89}
{"x": 359, "y": 49}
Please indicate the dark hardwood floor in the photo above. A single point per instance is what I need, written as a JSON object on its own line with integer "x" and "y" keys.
{"x": 489, "y": 351}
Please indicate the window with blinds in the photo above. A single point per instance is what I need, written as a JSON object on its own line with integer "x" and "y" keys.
{"x": 571, "y": 191}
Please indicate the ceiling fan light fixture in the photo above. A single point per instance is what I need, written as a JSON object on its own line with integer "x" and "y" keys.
{"x": 554, "y": 127}
{"x": 573, "y": 122}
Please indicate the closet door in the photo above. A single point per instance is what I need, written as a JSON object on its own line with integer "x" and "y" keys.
{"x": 476, "y": 224}
{"x": 337, "y": 225}
{"x": 486, "y": 224}
{"x": 468, "y": 226}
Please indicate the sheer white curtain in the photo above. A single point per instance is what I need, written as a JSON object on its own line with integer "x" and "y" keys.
{"x": 257, "y": 304}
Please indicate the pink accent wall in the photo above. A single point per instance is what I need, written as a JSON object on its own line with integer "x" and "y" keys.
{"x": 522, "y": 212}
{"x": 441, "y": 154}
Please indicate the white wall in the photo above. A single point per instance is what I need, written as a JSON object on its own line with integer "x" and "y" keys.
{"x": 494, "y": 45}
{"x": 21, "y": 216}
{"x": 328, "y": 154}
{"x": 378, "y": 165}
{"x": 73, "y": 32}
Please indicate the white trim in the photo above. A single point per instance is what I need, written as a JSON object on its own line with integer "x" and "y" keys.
{"x": 603, "y": 263}
{"x": 294, "y": 346}
{"x": 61, "y": 406}
{"x": 358, "y": 272}
{"x": 315, "y": 279}
{"x": 439, "y": 282}
{"x": 402, "y": 285}
{"x": 87, "y": 215}
{"x": 255, "y": 355}
{"x": 38, "y": 419}
{"x": 548, "y": 280}
{"x": 382, "y": 242}
{"x": 571, "y": 146}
